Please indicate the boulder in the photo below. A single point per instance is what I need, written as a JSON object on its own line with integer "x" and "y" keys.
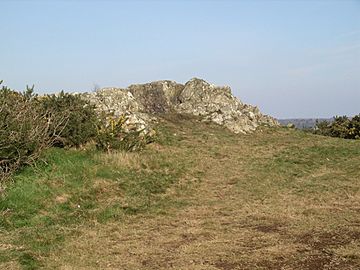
{"x": 118, "y": 102}
{"x": 218, "y": 105}
{"x": 156, "y": 97}
{"x": 290, "y": 125}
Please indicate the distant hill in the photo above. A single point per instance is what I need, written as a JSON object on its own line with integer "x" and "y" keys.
{"x": 303, "y": 123}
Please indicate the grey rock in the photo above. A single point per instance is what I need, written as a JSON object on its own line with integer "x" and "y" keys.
{"x": 140, "y": 102}
{"x": 118, "y": 101}
{"x": 290, "y": 125}
{"x": 218, "y": 105}
{"x": 156, "y": 97}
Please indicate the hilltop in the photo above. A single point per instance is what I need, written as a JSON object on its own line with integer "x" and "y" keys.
{"x": 142, "y": 102}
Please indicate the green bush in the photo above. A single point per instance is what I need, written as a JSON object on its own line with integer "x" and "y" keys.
{"x": 24, "y": 129}
{"x": 341, "y": 127}
{"x": 354, "y": 128}
{"x": 81, "y": 119}
{"x": 29, "y": 124}
{"x": 112, "y": 134}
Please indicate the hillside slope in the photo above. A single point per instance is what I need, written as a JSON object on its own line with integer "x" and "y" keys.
{"x": 201, "y": 197}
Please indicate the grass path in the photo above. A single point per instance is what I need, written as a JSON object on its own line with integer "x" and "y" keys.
{"x": 277, "y": 199}
{"x": 244, "y": 212}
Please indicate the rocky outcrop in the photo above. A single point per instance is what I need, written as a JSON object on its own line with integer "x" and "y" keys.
{"x": 141, "y": 102}
{"x": 218, "y": 105}
{"x": 119, "y": 102}
{"x": 157, "y": 97}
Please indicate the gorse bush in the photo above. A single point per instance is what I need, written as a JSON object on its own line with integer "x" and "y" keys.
{"x": 355, "y": 127}
{"x": 81, "y": 123}
{"x": 24, "y": 129}
{"x": 29, "y": 124}
{"x": 112, "y": 134}
{"x": 341, "y": 127}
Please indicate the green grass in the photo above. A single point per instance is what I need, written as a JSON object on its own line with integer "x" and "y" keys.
{"x": 275, "y": 198}
{"x": 313, "y": 169}
{"x": 63, "y": 192}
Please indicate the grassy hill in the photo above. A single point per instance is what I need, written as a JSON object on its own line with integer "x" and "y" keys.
{"x": 198, "y": 198}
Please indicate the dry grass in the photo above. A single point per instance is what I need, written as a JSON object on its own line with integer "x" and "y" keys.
{"x": 121, "y": 159}
{"x": 277, "y": 199}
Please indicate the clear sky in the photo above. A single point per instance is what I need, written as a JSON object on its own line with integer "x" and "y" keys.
{"x": 291, "y": 58}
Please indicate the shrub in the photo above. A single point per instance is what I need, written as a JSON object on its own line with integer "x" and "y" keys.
{"x": 341, "y": 127}
{"x": 354, "y": 127}
{"x": 112, "y": 134}
{"x": 24, "y": 129}
{"x": 81, "y": 123}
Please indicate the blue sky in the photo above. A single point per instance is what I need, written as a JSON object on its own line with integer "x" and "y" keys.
{"x": 290, "y": 58}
